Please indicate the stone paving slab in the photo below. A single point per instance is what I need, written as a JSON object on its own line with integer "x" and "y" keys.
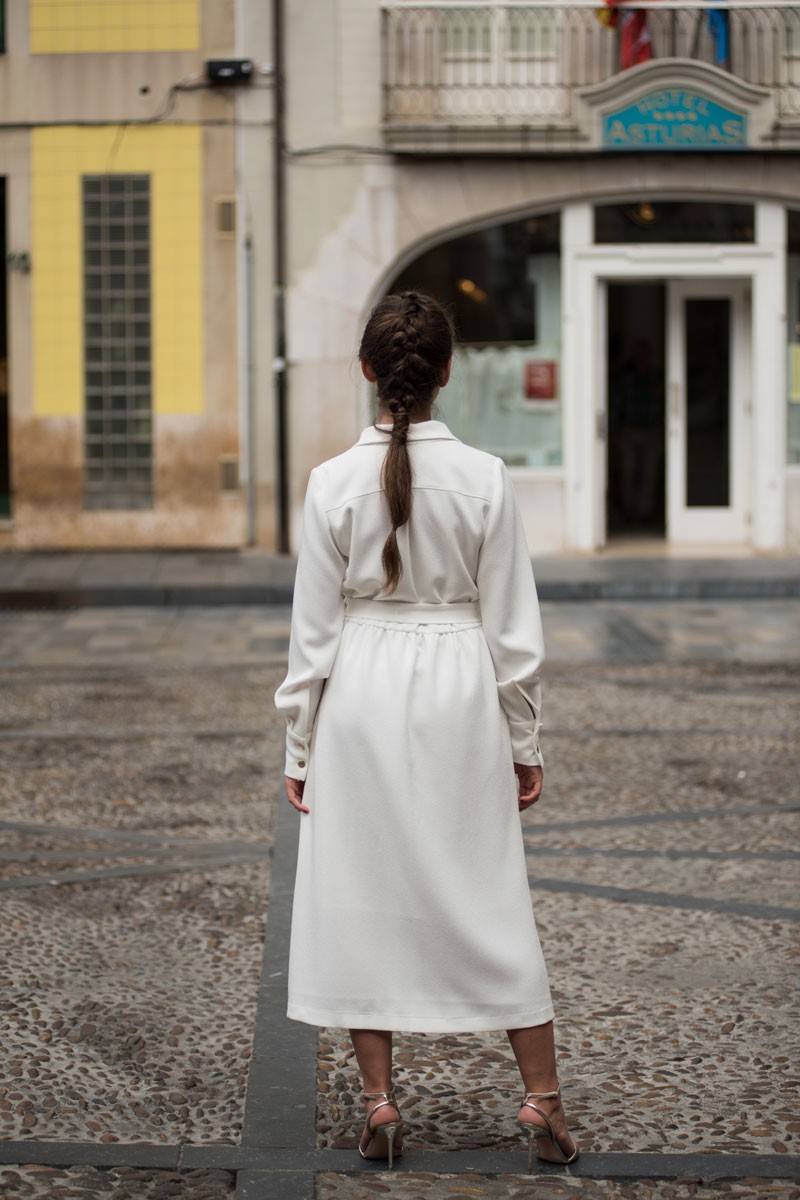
{"x": 126, "y": 1013}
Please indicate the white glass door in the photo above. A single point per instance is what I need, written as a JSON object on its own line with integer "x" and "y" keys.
{"x": 708, "y": 398}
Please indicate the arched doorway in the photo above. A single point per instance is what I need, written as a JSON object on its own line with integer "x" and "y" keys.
{"x": 502, "y": 285}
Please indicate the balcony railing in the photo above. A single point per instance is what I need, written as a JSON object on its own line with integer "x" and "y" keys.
{"x": 499, "y": 65}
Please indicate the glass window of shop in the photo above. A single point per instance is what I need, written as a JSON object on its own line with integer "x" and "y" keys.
{"x": 793, "y": 326}
{"x": 653, "y": 221}
{"x": 503, "y": 288}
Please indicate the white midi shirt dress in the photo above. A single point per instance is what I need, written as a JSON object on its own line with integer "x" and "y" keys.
{"x": 405, "y": 715}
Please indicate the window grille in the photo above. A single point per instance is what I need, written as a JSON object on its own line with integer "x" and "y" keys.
{"x": 117, "y": 342}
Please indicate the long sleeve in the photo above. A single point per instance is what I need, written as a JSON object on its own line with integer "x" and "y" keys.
{"x": 511, "y": 620}
{"x": 317, "y": 618}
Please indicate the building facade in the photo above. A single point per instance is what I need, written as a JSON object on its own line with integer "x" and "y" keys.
{"x": 606, "y": 197}
{"x": 611, "y": 208}
{"x": 126, "y": 224}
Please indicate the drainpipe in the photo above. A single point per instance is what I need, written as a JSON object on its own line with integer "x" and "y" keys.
{"x": 279, "y": 251}
{"x": 245, "y": 266}
{"x": 250, "y": 398}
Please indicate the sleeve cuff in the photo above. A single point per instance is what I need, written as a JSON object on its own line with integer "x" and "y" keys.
{"x": 525, "y": 746}
{"x": 529, "y": 758}
{"x": 296, "y": 765}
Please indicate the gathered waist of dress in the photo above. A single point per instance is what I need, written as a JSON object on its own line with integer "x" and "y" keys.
{"x": 397, "y": 611}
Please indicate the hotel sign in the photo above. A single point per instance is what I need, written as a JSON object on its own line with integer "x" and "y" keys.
{"x": 674, "y": 119}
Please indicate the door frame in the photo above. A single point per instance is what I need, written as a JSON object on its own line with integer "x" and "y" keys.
{"x": 586, "y": 270}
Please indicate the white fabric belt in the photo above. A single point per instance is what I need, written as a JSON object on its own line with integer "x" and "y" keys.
{"x": 468, "y": 613}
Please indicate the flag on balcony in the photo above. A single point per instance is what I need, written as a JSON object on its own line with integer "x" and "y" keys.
{"x": 634, "y": 44}
{"x": 719, "y": 25}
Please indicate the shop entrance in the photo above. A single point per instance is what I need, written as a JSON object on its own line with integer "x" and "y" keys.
{"x": 678, "y": 406}
{"x": 636, "y": 390}
{"x": 5, "y": 472}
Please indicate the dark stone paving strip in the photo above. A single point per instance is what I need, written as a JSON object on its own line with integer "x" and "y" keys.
{"x": 134, "y": 734}
{"x": 557, "y": 674}
{"x": 95, "y": 1154}
{"x": 672, "y": 855}
{"x": 281, "y": 1096}
{"x": 216, "y": 854}
{"x": 739, "y": 908}
{"x": 102, "y": 672}
{"x": 175, "y": 596}
{"x": 63, "y": 594}
{"x": 271, "y": 1163}
{"x": 210, "y": 849}
{"x": 583, "y": 734}
{"x": 131, "y": 734}
{"x": 214, "y": 849}
{"x": 651, "y": 818}
{"x": 205, "y": 863}
{"x": 135, "y": 836}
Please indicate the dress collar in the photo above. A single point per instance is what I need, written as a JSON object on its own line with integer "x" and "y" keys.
{"x": 422, "y": 431}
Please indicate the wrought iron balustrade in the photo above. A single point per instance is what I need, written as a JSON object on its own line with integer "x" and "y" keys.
{"x": 496, "y": 64}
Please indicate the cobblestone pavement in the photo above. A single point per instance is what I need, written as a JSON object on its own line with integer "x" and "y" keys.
{"x": 138, "y": 788}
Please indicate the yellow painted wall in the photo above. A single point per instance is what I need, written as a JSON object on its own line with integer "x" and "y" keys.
{"x": 171, "y": 155}
{"x": 95, "y": 26}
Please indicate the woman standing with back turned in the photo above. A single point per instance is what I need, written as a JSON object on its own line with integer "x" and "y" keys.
{"x": 412, "y": 705}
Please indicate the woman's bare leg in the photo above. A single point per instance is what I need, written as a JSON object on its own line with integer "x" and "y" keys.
{"x": 373, "y": 1049}
{"x": 535, "y": 1052}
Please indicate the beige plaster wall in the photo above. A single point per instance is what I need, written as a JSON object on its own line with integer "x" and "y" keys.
{"x": 220, "y": 267}
{"x": 189, "y": 508}
{"x": 793, "y": 509}
{"x": 15, "y": 166}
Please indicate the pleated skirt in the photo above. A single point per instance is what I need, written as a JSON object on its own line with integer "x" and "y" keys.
{"x": 412, "y": 910}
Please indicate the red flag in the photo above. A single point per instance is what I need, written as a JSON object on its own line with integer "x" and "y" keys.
{"x": 635, "y": 46}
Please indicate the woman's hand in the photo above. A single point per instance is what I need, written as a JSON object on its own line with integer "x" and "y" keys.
{"x": 294, "y": 793}
{"x": 530, "y": 784}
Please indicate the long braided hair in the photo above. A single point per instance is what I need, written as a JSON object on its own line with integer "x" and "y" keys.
{"x": 408, "y": 341}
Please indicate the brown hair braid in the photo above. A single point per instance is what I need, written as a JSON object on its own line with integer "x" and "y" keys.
{"x": 408, "y": 341}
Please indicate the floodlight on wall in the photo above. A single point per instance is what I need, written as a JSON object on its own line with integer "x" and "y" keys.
{"x": 229, "y": 70}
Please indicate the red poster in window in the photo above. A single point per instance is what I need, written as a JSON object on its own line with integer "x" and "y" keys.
{"x": 541, "y": 379}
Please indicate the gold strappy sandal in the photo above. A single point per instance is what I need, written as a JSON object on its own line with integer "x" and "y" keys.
{"x": 544, "y": 1137}
{"x": 381, "y": 1141}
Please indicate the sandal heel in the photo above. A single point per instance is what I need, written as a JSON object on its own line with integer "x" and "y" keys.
{"x": 389, "y": 1132}
{"x": 378, "y": 1141}
{"x": 543, "y": 1137}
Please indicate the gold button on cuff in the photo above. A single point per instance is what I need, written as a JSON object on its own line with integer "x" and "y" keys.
{"x": 301, "y": 762}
